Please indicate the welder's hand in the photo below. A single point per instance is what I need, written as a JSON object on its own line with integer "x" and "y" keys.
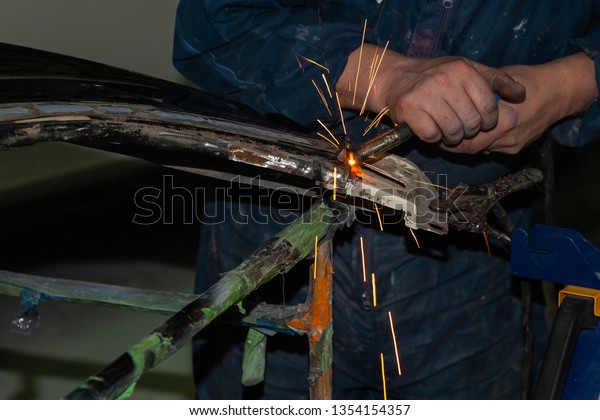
{"x": 447, "y": 98}
{"x": 555, "y": 90}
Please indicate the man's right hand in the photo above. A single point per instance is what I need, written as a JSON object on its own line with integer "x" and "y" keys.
{"x": 443, "y": 99}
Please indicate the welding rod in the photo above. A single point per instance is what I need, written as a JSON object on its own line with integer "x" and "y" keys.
{"x": 383, "y": 143}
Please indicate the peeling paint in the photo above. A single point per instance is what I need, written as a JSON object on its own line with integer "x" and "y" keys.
{"x": 116, "y": 109}
{"x": 62, "y": 108}
{"x": 13, "y": 111}
{"x": 178, "y": 116}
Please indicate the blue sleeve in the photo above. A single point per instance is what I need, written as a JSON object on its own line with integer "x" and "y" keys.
{"x": 586, "y": 128}
{"x": 255, "y": 52}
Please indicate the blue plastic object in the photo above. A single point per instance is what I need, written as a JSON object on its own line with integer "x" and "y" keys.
{"x": 555, "y": 254}
{"x": 564, "y": 256}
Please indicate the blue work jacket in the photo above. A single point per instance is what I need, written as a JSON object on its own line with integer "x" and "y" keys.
{"x": 457, "y": 321}
{"x": 250, "y": 51}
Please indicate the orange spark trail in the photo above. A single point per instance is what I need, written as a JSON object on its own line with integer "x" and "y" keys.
{"x": 362, "y": 254}
{"x": 341, "y": 113}
{"x": 378, "y": 216}
{"x": 315, "y": 263}
{"x": 320, "y": 92}
{"x": 332, "y": 143}
{"x": 373, "y": 281}
{"x": 415, "y": 236}
{"x": 373, "y": 78}
{"x": 377, "y": 119}
{"x": 433, "y": 185}
{"x": 330, "y": 133}
{"x": 327, "y": 85}
{"x": 487, "y": 243}
{"x": 395, "y": 343}
{"x": 373, "y": 65}
{"x": 312, "y": 62}
{"x": 383, "y": 377}
{"x": 334, "y": 182}
{"x": 359, "y": 61}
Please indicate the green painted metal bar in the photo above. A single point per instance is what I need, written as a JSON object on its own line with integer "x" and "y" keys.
{"x": 277, "y": 255}
{"x": 156, "y": 301}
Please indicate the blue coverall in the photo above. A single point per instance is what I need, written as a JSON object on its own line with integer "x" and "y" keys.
{"x": 458, "y": 324}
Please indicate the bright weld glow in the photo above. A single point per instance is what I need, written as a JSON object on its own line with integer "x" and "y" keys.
{"x": 315, "y": 263}
{"x": 334, "y": 182}
{"x": 373, "y": 282}
{"x": 351, "y": 159}
{"x": 383, "y": 377}
{"x": 362, "y": 254}
{"x": 487, "y": 243}
{"x": 415, "y": 237}
{"x": 378, "y": 217}
{"x": 395, "y": 343}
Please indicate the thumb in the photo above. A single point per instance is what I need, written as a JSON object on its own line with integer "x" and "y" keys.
{"x": 499, "y": 81}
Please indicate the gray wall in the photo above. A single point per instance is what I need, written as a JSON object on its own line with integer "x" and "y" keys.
{"x": 76, "y": 341}
{"x": 131, "y": 34}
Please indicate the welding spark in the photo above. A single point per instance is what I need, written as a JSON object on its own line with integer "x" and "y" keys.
{"x": 383, "y": 376}
{"x": 487, "y": 243}
{"x": 326, "y": 138}
{"x": 321, "y": 95}
{"x": 311, "y": 61}
{"x": 415, "y": 237}
{"x": 395, "y": 343}
{"x": 373, "y": 64}
{"x": 328, "y": 131}
{"x": 362, "y": 254}
{"x": 433, "y": 185}
{"x": 359, "y": 61}
{"x": 341, "y": 113}
{"x": 373, "y": 284}
{"x": 327, "y": 86}
{"x": 372, "y": 81}
{"x": 377, "y": 119}
{"x": 378, "y": 217}
{"x": 315, "y": 263}
{"x": 334, "y": 182}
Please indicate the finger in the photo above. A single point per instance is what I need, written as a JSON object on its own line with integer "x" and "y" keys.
{"x": 508, "y": 88}
{"x": 468, "y": 114}
{"x": 501, "y": 82}
{"x": 448, "y": 122}
{"x": 477, "y": 144}
{"x": 479, "y": 90}
{"x": 425, "y": 127}
{"x": 485, "y": 103}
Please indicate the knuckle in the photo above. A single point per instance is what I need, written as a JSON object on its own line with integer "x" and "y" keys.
{"x": 453, "y": 133}
{"x": 429, "y": 134}
{"x": 441, "y": 79}
{"x": 472, "y": 122}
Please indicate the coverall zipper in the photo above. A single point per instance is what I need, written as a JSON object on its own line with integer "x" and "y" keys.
{"x": 446, "y": 6}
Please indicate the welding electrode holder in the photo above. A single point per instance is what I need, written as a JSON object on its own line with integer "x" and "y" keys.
{"x": 383, "y": 143}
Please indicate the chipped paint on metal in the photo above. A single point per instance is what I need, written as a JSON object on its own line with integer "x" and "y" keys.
{"x": 62, "y": 108}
